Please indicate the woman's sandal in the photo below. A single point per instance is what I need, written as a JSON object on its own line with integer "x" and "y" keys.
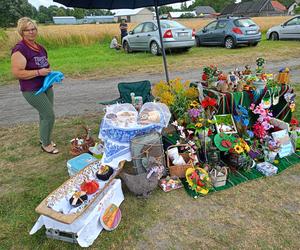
{"x": 53, "y": 151}
{"x": 53, "y": 144}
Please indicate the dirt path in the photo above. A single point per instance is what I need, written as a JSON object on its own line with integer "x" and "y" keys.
{"x": 76, "y": 97}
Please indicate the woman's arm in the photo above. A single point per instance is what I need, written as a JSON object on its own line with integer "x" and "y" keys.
{"x": 18, "y": 64}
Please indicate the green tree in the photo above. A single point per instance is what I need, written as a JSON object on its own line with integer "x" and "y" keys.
{"x": 11, "y": 11}
{"x": 79, "y": 13}
{"x": 165, "y": 9}
{"x": 297, "y": 10}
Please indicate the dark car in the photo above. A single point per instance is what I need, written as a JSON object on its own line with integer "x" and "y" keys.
{"x": 229, "y": 32}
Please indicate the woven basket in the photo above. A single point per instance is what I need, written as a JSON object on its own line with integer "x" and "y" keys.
{"x": 179, "y": 170}
{"x": 139, "y": 184}
{"x": 88, "y": 141}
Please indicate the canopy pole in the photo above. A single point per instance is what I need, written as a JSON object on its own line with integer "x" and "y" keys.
{"x": 161, "y": 42}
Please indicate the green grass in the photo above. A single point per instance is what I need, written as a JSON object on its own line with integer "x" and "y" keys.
{"x": 98, "y": 61}
{"x": 260, "y": 214}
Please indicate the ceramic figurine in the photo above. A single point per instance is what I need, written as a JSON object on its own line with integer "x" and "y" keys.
{"x": 240, "y": 86}
{"x": 247, "y": 70}
{"x": 222, "y": 86}
{"x": 232, "y": 79}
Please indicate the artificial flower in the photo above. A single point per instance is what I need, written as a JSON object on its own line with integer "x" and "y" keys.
{"x": 238, "y": 149}
{"x": 198, "y": 125}
{"x": 208, "y": 102}
{"x": 294, "y": 122}
{"x": 194, "y": 112}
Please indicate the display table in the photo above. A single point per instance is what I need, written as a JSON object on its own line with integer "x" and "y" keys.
{"x": 228, "y": 100}
{"x": 86, "y": 228}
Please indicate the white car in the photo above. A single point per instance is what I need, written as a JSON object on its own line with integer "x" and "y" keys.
{"x": 288, "y": 30}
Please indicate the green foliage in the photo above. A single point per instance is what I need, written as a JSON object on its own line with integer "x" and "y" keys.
{"x": 11, "y": 11}
{"x": 297, "y": 10}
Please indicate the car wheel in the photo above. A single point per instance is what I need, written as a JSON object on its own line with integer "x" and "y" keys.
{"x": 154, "y": 48}
{"x": 198, "y": 43}
{"x": 253, "y": 44}
{"x": 229, "y": 43}
{"x": 185, "y": 49}
{"x": 274, "y": 36}
{"x": 127, "y": 47}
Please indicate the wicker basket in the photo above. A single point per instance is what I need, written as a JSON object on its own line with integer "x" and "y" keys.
{"x": 240, "y": 161}
{"x": 139, "y": 184}
{"x": 88, "y": 141}
{"x": 179, "y": 170}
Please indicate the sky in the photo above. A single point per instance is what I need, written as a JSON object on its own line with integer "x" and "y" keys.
{"x": 47, "y": 3}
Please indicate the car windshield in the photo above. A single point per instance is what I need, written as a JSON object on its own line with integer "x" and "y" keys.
{"x": 244, "y": 23}
{"x": 171, "y": 24}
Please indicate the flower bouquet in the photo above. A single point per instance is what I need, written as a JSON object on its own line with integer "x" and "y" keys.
{"x": 271, "y": 149}
{"x": 238, "y": 154}
{"x": 198, "y": 180}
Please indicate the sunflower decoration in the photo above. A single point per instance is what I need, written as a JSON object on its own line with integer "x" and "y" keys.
{"x": 238, "y": 149}
{"x": 198, "y": 180}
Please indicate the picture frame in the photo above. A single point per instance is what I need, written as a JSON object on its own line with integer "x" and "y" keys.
{"x": 225, "y": 124}
{"x": 286, "y": 147}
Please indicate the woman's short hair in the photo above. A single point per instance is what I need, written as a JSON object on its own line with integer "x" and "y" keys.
{"x": 23, "y": 23}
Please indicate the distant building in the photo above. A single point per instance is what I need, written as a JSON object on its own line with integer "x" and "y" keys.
{"x": 99, "y": 19}
{"x": 279, "y": 7}
{"x": 204, "y": 11}
{"x": 64, "y": 20}
{"x": 134, "y": 16}
{"x": 252, "y": 8}
{"x": 292, "y": 7}
{"x": 178, "y": 14}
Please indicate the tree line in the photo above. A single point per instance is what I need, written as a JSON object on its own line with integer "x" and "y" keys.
{"x": 12, "y": 10}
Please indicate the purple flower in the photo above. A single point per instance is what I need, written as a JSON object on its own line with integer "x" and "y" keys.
{"x": 194, "y": 113}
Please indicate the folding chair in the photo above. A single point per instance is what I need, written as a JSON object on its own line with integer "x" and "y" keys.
{"x": 141, "y": 88}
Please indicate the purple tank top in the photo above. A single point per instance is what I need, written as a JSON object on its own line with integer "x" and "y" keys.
{"x": 35, "y": 60}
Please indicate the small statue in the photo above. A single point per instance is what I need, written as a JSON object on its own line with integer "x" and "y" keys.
{"x": 240, "y": 86}
{"x": 223, "y": 86}
{"x": 247, "y": 70}
{"x": 232, "y": 80}
{"x": 260, "y": 65}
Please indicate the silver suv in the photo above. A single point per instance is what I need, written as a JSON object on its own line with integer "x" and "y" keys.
{"x": 145, "y": 37}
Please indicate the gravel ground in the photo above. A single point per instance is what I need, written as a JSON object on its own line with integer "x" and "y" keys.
{"x": 77, "y": 97}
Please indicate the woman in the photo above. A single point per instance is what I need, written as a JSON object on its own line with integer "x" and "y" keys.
{"x": 30, "y": 65}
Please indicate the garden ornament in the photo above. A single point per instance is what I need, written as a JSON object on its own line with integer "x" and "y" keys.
{"x": 260, "y": 65}
{"x": 247, "y": 70}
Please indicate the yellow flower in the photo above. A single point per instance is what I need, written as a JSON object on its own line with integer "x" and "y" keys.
{"x": 210, "y": 121}
{"x": 198, "y": 125}
{"x": 238, "y": 149}
{"x": 246, "y": 147}
{"x": 201, "y": 119}
{"x": 194, "y": 104}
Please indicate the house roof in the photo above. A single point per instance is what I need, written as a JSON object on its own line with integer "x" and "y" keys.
{"x": 205, "y": 10}
{"x": 64, "y": 17}
{"x": 127, "y": 12}
{"x": 98, "y": 17}
{"x": 179, "y": 13}
{"x": 255, "y": 6}
{"x": 278, "y": 6}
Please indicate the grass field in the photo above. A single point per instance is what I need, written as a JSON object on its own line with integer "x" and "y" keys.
{"x": 260, "y": 214}
{"x": 81, "y": 51}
